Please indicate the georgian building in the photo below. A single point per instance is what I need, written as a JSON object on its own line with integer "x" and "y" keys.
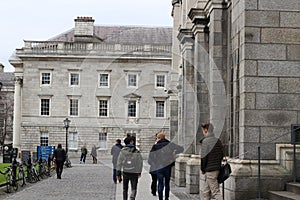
{"x": 109, "y": 81}
{"x": 239, "y": 68}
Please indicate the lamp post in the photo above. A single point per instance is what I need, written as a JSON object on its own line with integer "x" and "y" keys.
{"x": 67, "y": 124}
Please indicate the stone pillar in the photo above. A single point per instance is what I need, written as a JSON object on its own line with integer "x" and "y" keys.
{"x": 217, "y": 64}
{"x": 17, "y": 113}
{"x": 192, "y": 174}
{"x": 201, "y": 70}
{"x": 180, "y": 169}
{"x": 188, "y": 90}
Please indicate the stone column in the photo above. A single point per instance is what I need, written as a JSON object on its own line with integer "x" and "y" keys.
{"x": 188, "y": 90}
{"x": 17, "y": 113}
{"x": 201, "y": 70}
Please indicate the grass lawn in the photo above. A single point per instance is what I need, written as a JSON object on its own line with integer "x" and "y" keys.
{"x": 2, "y": 169}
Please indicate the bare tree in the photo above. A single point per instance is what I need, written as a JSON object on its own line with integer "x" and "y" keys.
{"x": 6, "y": 116}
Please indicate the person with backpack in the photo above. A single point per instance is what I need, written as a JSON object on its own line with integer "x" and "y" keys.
{"x": 130, "y": 162}
{"x": 162, "y": 159}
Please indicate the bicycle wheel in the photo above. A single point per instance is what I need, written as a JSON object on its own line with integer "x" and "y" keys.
{"x": 21, "y": 178}
{"x": 35, "y": 174}
{"x": 14, "y": 183}
{"x": 8, "y": 186}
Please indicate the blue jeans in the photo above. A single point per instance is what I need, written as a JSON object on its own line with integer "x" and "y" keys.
{"x": 83, "y": 157}
{"x": 163, "y": 177}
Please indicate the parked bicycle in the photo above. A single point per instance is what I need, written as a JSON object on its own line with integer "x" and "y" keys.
{"x": 11, "y": 179}
{"x": 21, "y": 175}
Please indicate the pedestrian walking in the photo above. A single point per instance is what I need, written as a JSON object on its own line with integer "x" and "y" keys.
{"x": 211, "y": 160}
{"x": 84, "y": 152}
{"x": 162, "y": 158}
{"x": 94, "y": 154}
{"x": 115, "y": 151}
{"x": 59, "y": 157}
{"x": 153, "y": 174}
{"x": 130, "y": 162}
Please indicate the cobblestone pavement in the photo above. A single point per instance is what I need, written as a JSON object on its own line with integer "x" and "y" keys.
{"x": 86, "y": 181}
{"x": 89, "y": 181}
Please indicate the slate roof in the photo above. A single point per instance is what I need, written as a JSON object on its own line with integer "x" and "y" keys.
{"x": 7, "y": 78}
{"x": 125, "y": 35}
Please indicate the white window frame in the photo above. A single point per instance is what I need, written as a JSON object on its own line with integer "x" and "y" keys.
{"x": 136, "y": 105}
{"x": 164, "y": 111}
{"x": 108, "y": 80}
{"x": 137, "y": 80}
{"x": 73, "y": 140}
{"x": 165, "y": 81}
{"x": 108, "y": 106}
{"x": 40, "y": 110}
{"x": 41, "y": 78}
{"x": 102, "y": 145}
{"x": 78, "y": 106}
{"x": 70, "y": 79}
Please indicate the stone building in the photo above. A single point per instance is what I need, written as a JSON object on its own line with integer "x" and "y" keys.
{"x": 108, "y": 80}
{"x": 239, "y": 68}
{"x": 6, "y": 106}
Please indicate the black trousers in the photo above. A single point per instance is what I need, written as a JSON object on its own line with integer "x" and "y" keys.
{"x": 59, "y": 168}
{"x": 133, "y": 178}
{"x": 154, "y": 182}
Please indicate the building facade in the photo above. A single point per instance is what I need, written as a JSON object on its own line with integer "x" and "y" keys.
{"x": 110, "y": 81}
{"x": 239, "y": 68}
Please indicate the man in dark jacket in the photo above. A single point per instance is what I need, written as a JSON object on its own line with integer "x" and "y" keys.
{"x": 211, "y": 158}
{"x": 162, "y": 158}
{"x": 115, "y": 151}
{"x": 130, "y": 161}
{"x": 59, "y": 157}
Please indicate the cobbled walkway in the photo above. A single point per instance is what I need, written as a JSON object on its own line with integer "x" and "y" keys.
{"x": 89, "y": 181}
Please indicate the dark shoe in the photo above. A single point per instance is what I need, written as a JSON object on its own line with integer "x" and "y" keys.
{"x": 120, "y": 180}
{"x": 153, "y": 193}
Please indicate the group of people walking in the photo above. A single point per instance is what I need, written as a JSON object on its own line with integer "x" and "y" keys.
{"x": 127, "y": 161}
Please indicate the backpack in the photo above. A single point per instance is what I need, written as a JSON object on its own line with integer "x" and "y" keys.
{"x": 130, "y": 162}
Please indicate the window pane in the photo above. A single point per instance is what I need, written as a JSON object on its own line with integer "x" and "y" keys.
{"x": 103, "y": 108}
{"x": 160, "y": 109}
{"x": 102, "y": 140}
{"x": 132, "y": 109}
{"x": 45, "y": 78}
{"x": 74, "y": 79}
{"x": 160, "y": 81}
{"x": 132, "y": 80}
{"x": 73, "y": 140}
{"x": 44, "y": 138}
{"x": 74, "y": 107}
{"x": 45, "y": 107}
{"x": 103, "y": 80}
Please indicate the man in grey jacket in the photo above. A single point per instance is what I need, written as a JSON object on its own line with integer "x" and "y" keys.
{"x": 211, "y": 159}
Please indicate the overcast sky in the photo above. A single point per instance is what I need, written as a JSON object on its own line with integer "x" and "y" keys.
{"x": 40, "y": 20}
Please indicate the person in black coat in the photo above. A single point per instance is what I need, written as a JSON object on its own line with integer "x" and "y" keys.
{"x": 115, "y": 151}
{"x": 162, "y": 159}
{"x": 211, "y": 159}
{"x": 59, "y": 157}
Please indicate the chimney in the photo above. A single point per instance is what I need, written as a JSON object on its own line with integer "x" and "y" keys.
{"x": 84, "y": 29}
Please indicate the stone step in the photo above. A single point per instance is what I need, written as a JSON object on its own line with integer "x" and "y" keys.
{"x": 293, "y": 187}
{"x": 283, "y": 195}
